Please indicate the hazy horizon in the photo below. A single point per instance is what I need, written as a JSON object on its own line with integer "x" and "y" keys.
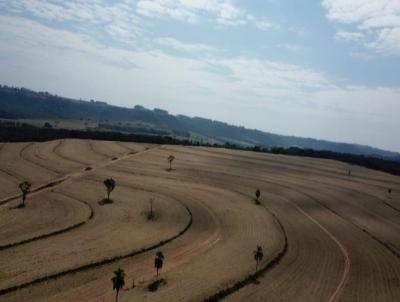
{"x": 326, "y": 70}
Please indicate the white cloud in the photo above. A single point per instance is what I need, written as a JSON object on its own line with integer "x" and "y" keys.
{"x": 377, "y": 19}
{"x": 22, "y": 34}
{"x": 262, "y": 24}
{"x": 161, "y": 8}
{"x": 226, "y": 79}
{"x": 117, "y": 20}
{"x": 291, "y": 47}
{"x": 188, "y": 47}
{"x": 388, "y": 41}
{"x": 122, "y": 20}
{"x": 379, "y": 103}
{"x": 263, "y": 76}
{"x": 231, "y": 79}
{"x": 93, "y": 11}
{"x": 187, "y": 10}
{"x": 361, "y": 55}
{"x": 80, "y": 65}
{"x": 223, "y": 12}
{"x": 349, "y": 36}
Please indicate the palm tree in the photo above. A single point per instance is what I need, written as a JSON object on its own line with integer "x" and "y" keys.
{"x": 171, "y": 159}
{"x": 118, "y": 281}
{"x": 258, "y": 256}
{"x": 110, "y": 185}
{"x": 25, "y": 188}
{"x": 158, "y": 262}
{"x": 258, "y": 194}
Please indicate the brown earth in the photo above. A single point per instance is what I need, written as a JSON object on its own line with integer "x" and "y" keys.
{"x": 341, "y": 231}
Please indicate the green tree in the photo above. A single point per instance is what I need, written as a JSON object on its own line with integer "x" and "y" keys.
{"x": 118, "y": 281}
{"x": 171, "y": 159}
{"x": 258, "y": 256}
{"x": 47, "y": 125}
{"x": 25, "y": 188}
{"x": 258, "y": 194}
{"x": 110, "y": 185}
{"x": 159, "y": 262}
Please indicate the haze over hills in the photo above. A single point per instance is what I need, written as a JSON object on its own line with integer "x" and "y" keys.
{"x": 21, "y": 103}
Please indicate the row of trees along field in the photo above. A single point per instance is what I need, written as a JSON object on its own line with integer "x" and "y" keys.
{"x": 25, "y": 133}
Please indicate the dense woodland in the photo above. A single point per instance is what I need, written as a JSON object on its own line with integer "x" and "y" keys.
{"x": 23, "y": 103}
{"x": 28, "y": 133}
{"x": 389, "y": 166}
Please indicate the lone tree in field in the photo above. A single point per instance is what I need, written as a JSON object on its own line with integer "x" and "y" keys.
{"x": 158, "y": 262}
{"x": 390, "y": 192}
{"x": 118, "y": 281}
{"x": 110, "y": 185}
{"x": 170, "y": 159}
{"x": 258, "y": 194}
{"x": 25, "y": 188}
{"x": 258, "y": 256}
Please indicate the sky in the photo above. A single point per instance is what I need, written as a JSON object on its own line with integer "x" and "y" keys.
{"x": 326, "y": 69}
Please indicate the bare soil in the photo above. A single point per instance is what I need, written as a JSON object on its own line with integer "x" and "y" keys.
{"x": 341, "y": 231}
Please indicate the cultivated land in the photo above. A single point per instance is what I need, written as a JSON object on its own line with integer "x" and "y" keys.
{"x": 330, "y": 236}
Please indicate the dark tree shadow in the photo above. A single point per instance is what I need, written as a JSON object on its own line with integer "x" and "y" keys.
{"x": 151, "y": 216}
{"x": 105, "y": 201}
{"x": 88, "y": 168}
{"x": 114, "y": 158}
{"x": 19, "y": 206}
{"x": 153, "y": 287}
{"x": 255, "y": 280}
{"x": 170, "y": 170}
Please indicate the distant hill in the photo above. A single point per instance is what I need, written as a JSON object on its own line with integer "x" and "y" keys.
{"x": 21, "y": 103}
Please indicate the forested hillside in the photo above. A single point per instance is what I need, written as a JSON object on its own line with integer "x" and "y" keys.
{"x": 20, "y": 103}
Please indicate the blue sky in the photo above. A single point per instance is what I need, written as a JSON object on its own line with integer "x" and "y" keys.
{"x": 324, "y": 69}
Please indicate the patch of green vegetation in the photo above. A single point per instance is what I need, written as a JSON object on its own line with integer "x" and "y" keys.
{"x": 71, "y": 124}
{"x": 196, "y": 137}
{"x": 120, "y": 127}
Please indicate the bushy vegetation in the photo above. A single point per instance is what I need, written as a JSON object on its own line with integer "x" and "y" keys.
{"x": 25, "y": 188}
{"x": 109, "y": 183}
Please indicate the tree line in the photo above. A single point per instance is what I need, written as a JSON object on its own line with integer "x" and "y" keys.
{"x": 371, "y": 162}
{"x": 25, "y": 133}
{"x": 20, "y": 103}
